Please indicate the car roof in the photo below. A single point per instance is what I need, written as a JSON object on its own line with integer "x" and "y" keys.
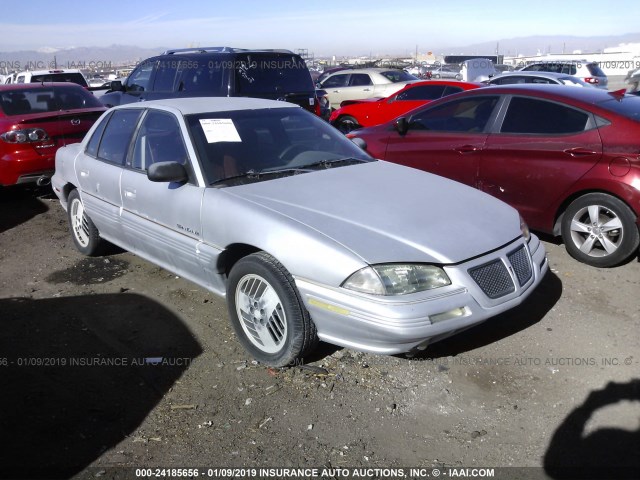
{"x": 367, "y": 70}
{"x": 560, "y": 92}
{"x": 194, "y": 105}
{"x": 37, "y": 85}
{"x": 529, "y": 73}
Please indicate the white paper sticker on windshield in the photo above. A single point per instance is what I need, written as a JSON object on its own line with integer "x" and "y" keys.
{"x": 220, "y": 130}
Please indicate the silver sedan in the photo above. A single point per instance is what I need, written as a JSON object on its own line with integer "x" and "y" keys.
{"x": 307, "y": 236}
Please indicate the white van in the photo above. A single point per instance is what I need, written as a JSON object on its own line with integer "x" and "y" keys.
{"x": 477, "y": 70}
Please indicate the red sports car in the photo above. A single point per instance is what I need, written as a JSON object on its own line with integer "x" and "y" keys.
{"x": 354, "y": 114}
{"x": 35, "y": 120}
{"x": 567, "y": 158}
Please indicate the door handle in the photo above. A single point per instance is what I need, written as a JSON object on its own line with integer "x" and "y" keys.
{"x": 579, "y": 152}
{"x": 84, "y": 173}
{"x": 467, "y": 149}
{"x": 367, "y": 89}
{"x": 129, "y": 193}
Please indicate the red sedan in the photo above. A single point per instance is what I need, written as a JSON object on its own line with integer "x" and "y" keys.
{"x": 366, "y": 113}
{"x": 35, "y": 120}
{"x": 567, "y": 158}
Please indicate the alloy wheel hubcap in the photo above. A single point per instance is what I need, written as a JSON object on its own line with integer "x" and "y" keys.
{"x": 261, "y": 314}
{"x": 79, "y": 223}
{"x": 596, "y": 231}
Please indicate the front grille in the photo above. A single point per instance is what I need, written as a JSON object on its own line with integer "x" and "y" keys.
{"x": 493, "y": 278}
{"x": 521, "y": 265}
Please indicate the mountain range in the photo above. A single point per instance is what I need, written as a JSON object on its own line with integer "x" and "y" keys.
{"x": 108, "y": 57}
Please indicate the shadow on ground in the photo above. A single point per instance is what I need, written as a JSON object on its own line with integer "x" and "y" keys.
{"x": 19, "y": 204}
{"x": 603, "y": 454}
{"x": 81, "y": 373}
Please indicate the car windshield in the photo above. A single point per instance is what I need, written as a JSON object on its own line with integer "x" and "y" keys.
{"x": 248, "y": 143}
{"x": 628, "y": 106}
{"x": 41, "y": 100}
{"x": 398, "y": 76}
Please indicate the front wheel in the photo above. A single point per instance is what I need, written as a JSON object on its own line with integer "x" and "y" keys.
{"x": 600, "y": 230}
{"x": 267, "y": 313}
{"x": 84, "y": 233}
{"x": 346, "y": 124}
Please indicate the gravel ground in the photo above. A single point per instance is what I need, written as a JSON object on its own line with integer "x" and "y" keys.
{"x": 112, "y": 362}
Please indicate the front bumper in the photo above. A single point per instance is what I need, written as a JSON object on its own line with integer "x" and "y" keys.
{"x": 390, "y": 325}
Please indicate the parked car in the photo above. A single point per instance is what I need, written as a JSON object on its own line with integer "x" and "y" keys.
{"x": 358, "y": 84}
{"x": 365, "y": 113}
{"x": 447, "y": 71}
{"x": 55, "y": 75}
{"x": 566, "y": 158}
{"x": 537, "y": 78}
{"x": 218, "y": 72}
{"x": 37, "y": 119}
{"x": 588, "y": 72}
{"x": 269, "y": 205}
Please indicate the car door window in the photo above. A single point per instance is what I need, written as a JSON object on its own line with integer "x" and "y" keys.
{"x": 359, "y": 80}
{"x": 336, "y": 81}
{"x": 426, "y": 92}
{"x": 165, "y": 78}
{"x": 116, "y": 138}
{"x": 94, "y": 141}
{"x": 469, "y": 115}
{"x": 159, "y": 139}
{"x": 535, "y": 116}
{"x": 139, "y": 79}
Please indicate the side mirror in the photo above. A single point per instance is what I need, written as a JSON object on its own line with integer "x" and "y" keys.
{"x": 167, "y": 172}
{"x": 402, "y": 125}
{"x": 360, "y": 142}
{"x": 116, "y": 86}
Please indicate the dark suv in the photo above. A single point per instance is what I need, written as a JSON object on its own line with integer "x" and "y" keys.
{"x": 218, "y": 72}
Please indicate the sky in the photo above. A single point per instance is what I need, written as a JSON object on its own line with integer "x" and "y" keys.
{"x": 346, "y": 27}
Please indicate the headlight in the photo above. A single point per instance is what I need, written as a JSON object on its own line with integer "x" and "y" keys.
{"x": 397, "y": 279}
{"x": 525, "y": 229}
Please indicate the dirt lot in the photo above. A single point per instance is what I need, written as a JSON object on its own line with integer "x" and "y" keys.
{"x": 112, "y": 362}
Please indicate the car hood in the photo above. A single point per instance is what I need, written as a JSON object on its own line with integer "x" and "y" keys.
{"x": 385, "y": 212}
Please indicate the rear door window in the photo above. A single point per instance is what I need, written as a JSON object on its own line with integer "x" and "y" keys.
{"x": 535, "y": 116}
{"x": 207, "y": 76}
{"x": 116, "y": 137}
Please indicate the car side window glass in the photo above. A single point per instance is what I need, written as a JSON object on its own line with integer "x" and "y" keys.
{"x": 359, "y": 79}
{"x": 139, "y": 79}
{"x": 94, "y": 141}
{"x": 534, "y": 116}
{"x": 203, "y": 77}
{"x": 165, "y": 78}
{"x": 427, "y": 92}
{"x": 469, "y": 115}
{"x": 159, "y": 139}
{"x": 117, "y": 135}
{"x": 336, "y": 81}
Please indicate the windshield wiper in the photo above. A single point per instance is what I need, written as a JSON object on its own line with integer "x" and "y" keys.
{"x": 257, "y": 175}
{"x": 328, "y": 163}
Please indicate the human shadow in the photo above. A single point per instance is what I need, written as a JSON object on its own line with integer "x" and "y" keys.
{"x": 606, "y": 453}
{"x": 81, "y": 373}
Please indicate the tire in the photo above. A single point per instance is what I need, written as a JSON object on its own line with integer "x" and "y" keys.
{"x": 600, "y": 230}
{"x": 84, "y": 233}
{"x": 346, "y": 124}
{"x": 280, "y": 334}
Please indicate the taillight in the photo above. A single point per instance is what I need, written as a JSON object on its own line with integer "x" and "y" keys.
{"x": 317, "y": 108}
{"x": 592, "y": 80}
{"x": 28, "y": 135}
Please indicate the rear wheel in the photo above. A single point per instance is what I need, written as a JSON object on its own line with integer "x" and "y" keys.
{"x": 267, "y": 313}
{"x": 346, "y": 123}
{"x": 84, "y": 233}
{"x": 600, "y": 230}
